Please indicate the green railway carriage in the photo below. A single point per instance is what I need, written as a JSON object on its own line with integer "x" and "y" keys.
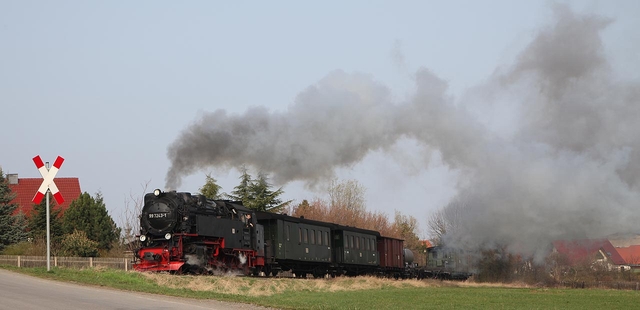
{"x": 297, "y": 244}
{"x": 317, "y": 248}
{"x": 355, "y": 249}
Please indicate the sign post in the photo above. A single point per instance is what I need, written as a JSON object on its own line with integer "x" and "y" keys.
{"x": 48, "y": 186}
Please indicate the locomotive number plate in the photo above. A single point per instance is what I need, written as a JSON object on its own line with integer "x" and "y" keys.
{"x": 157, "y": 215}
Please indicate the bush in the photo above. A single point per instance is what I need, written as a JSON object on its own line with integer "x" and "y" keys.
{"x": 32, "y": 247}
{"x": 77, "y": 244}
{"x": 21, "y": 248}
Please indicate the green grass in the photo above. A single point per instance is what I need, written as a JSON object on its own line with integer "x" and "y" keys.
{"x": 366, "y": 293}
{"x": 461, "y": 298}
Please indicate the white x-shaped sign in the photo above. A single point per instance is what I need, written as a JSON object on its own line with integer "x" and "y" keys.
{"x": 47, "y": 183}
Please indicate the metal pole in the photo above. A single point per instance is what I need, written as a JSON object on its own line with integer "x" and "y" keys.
{"x": 48, "y": 229}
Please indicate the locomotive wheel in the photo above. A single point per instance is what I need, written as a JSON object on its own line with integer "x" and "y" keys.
{"x": 319, "y": 273}
{"x": 266, "y": 269}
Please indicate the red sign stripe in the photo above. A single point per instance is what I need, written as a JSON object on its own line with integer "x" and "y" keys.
{"x": 38, "y": 161}
{"x": 58, "y": 198}
{"x": 38, "y": 197}
{"x": 58, "y": 162}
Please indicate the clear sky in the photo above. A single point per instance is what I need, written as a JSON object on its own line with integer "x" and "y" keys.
{"x": 110, "y": 85}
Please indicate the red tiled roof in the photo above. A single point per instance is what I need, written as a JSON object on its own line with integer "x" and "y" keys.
{"x": 27, "y": 188}
{"x": 580, "y": 250}
{"x": 631, "y": 254}
{"x": 613, "y": 253}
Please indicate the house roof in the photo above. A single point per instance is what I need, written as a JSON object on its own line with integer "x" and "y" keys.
{"x": 624, "y": 240}
{"x": 630, "y": 254}
{"x": 577, "y": 251}
{"x": 27, "y": 188}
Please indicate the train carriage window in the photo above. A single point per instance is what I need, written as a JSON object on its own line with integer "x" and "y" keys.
{"x": 319, "y": 237}
{"x": 326, "y": 238}
{"x": 288, "y": 231}
{"x": 366, "y": 244}
{"x": 351, "y": 242}
{"x": 299, "y": 235}
{"x": 312, "y": 237}
{"x": 305, "y": 236}
{"x": 357, "y": 243}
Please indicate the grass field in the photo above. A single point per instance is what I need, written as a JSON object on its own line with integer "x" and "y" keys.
{"x": 346, "y": 293}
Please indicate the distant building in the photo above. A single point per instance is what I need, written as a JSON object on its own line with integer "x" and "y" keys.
{"x": 26, "y": 188}
{"x": 425, "y": 243}
{"x": 631, "y": 257}
{"x": 626, "y": 256}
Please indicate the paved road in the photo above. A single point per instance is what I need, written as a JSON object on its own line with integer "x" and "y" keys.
{"x": 19, "y": 291}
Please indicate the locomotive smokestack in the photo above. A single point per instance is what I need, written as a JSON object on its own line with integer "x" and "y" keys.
{"x": 562, "y": 160}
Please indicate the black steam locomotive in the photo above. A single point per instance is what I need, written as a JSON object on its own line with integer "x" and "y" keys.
{"x": 187, "y": 233}
{"x": 190, "y": 233}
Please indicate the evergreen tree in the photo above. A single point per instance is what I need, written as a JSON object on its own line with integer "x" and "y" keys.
{"x": 264, "y": 199}
{"x": 37, "y": 224}
{"x": 11, "y": 227}
{"x": 90, "y": 215}
{"x": 257, "y": 194}
{"x": 211, "y": 189}
{"x": 243, "y": 192}
{"x": 22, "y": 224}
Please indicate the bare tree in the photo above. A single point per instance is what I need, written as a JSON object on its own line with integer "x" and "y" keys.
{"x": 347, "y": 194}
{"x": 130, "y": 218}
{"x": 447, "y": 220}
{"x": 437, "y": 226}
{"x": 406, "y": 227}
{"x": 558, "y": 266}
{"x": 346, "y": 206}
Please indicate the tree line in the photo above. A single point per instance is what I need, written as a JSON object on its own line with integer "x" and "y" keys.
{"x": 345, "y": 205}
{"x": 84, "y": 229}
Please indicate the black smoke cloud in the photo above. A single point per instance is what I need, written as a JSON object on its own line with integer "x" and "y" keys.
{"x": 332, "y": 124}
{"x": 567, "y": 166}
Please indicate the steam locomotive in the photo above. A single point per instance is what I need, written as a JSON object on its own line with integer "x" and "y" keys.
{"x": 186, "y": 233}
{"x": 180, "y": 232}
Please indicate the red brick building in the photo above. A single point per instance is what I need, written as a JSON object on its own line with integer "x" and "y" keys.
{"x": 26, "y": 188}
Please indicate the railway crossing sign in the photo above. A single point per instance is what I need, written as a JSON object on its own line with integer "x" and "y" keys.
{"x": 48, "y": 183}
